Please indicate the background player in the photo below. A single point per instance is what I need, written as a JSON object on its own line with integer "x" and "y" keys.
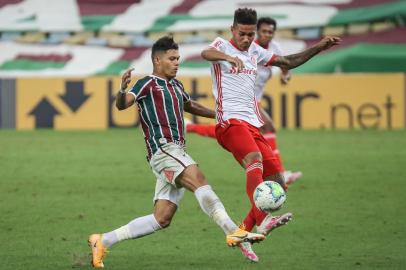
{"x": 266, "y": 28}
{"x": 161, "y": 100}
{"x": 234, "y": 68}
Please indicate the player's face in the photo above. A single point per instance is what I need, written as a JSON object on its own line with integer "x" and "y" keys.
{"x": 265, "y": 33}
{"x": 168, "y": 63}
{"x": 243, "y": 35}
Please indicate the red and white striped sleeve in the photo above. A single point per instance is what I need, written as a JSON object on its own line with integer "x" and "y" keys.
{"x": 218, "y": 44}
{"x": 265, "y": 57}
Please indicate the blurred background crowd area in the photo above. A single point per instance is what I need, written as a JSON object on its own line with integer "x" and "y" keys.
{"x": 103, "y": 37}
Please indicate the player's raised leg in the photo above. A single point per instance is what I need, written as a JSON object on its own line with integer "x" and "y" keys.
{"x": 237, "y": 137}
{"x": 194, "y": 180}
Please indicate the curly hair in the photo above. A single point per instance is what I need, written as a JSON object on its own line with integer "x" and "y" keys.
{"x": 246, "y": 16}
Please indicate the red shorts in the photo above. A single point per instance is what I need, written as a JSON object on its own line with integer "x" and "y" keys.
{"x": 241, "y": 138}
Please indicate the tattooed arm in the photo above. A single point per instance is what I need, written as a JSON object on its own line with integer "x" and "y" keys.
{"x": 295, "y": 60}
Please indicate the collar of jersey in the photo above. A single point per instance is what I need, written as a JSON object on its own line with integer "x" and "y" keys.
{"x": 235, "y": 45}
{"x": 160, "y": 78}
{"x": 257, "y": 42}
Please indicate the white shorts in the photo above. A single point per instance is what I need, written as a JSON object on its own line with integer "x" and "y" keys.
{"x": 167, "y": 164}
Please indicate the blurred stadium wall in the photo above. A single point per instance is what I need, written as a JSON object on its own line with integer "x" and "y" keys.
{"x": 60, "y": 61}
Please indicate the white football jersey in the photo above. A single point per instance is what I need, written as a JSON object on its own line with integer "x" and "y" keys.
{"x": 233, "y": 91}
{"x": 265, "y": 73}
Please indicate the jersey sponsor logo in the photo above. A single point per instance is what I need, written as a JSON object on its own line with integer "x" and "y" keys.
{"x": 234, "y": 70}
{"x": 177, "y": 142}
{"x": 157, "y": 88}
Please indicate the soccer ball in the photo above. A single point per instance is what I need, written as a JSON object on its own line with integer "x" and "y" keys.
{"x": 269, "y": 196}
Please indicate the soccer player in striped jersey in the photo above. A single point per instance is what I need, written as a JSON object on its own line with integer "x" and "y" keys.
{"x": 161, "y": 100}
{"x": 234, "y": 70}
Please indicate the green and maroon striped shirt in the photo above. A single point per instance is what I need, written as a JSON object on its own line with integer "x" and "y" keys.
{"x": 160, "y": 105}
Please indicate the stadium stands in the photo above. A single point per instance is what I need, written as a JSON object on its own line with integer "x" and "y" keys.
{"x": 123, "y": 25}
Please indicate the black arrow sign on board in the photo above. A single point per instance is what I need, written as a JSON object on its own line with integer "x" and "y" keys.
{"x": 74, "y": 96}
{"x": 44, "y": 114}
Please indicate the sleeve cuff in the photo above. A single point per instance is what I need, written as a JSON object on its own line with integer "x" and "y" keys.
{"x": 271, "y": 60}
{"x": 135, "y": 96}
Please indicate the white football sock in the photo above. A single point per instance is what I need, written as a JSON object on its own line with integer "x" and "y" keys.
{"x": 137, "y": 228}
{"x": 214, "y": 208}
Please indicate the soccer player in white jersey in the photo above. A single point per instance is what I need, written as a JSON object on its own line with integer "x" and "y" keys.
{"x": 161, "y": 100}
{"x": 234, "y": 69}
{"x": 266, "y": 28}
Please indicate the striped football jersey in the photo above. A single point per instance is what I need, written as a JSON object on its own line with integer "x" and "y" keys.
{"x": 160, "y": 105}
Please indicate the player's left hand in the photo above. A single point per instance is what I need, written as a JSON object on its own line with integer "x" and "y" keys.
{"x": 328, "y": 42}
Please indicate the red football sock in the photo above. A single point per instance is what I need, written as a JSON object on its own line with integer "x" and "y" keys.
{"x": 249, "y": 221}
{"x": 203, "y": 130}
{"x": 271, "y": 139}
{"x": 254, "y": 178}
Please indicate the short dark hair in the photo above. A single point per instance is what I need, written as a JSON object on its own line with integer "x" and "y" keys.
{"x": 266, "y": 20}
{"x": 246, "y": 16}
{"x": 163, "y": 44}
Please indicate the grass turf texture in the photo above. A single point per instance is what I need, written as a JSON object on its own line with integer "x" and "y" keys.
{"x": 58, "y": 187}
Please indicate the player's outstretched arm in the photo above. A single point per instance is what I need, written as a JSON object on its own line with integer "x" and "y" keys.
{"x": 215, "y": 55}
{"x": 295, "y": 60}
{"x": 123, "y": 99}
{"x": 197, "y": 109}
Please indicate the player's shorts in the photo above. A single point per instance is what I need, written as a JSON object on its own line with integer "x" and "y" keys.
{"x": 241, "y": 138}
{"x": 167, "y": 164}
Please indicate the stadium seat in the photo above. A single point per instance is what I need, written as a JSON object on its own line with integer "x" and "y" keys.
{"x": 121, "y": 41}
{"x": 96, "y": 41}
{"x": 78, "y": 38}
{"x": 31, "y": 37}
{"x": 10, "y": 36}
{"x": 56, "y": 37}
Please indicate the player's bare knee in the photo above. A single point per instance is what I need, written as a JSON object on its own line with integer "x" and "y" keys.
{"x": 164, "y": 221}
{"x": 192, "y": 178}
{"x": 164, "y": 218}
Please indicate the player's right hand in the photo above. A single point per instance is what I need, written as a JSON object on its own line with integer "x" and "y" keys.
{"x": 236, "y": 62}
{"x": 126, "y": 79}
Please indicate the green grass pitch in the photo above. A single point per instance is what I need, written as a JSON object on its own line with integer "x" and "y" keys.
{"x": 58, "y": 187}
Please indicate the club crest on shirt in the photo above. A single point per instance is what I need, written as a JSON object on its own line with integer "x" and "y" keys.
{"x": 169, "y": 175}
{"x": 253, "y": 60}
